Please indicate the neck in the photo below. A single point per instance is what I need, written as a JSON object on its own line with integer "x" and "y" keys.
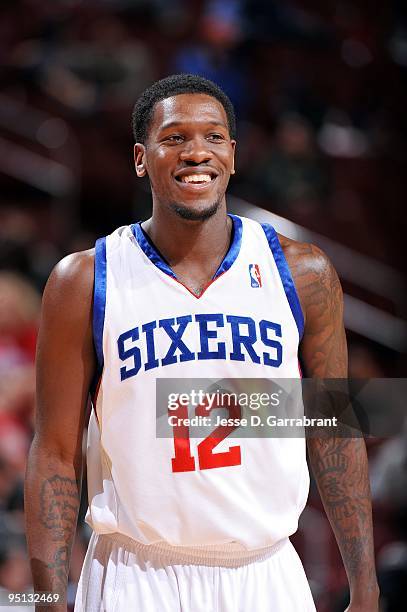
{"x": 188, "y": 242}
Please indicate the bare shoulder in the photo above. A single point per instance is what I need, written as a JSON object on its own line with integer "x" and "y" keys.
{"x": 76, "y": 268}
{"x": 70, "y": 286}
{"x": 314, "y": 276}
{"x": 304, "y": 257}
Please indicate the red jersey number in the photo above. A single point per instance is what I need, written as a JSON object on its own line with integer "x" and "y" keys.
{"x": 207, "y": 459}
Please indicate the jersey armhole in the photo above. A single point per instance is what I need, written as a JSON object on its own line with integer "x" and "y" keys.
{"x": 286, "y": 277}
{"x": 99, "y": 303}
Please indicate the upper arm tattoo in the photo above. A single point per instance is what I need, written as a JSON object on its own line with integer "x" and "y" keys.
{"x": 323, "y": 348}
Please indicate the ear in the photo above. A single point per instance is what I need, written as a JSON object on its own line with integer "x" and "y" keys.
{"x": 140, "y": 159}
{"x": 233, "y": 143}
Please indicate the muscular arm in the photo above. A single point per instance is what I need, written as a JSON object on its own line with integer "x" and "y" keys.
{"x": 339, "y": 464}
{"x": 65, "y": 366}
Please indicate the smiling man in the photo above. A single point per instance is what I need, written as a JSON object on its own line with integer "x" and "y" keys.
{"x": 181, "y": 524}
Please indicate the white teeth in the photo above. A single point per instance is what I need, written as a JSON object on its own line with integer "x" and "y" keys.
{"x": 196, "y": 178}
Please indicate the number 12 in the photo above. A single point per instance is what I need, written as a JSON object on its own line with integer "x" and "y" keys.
{"x": 207, "y": 459}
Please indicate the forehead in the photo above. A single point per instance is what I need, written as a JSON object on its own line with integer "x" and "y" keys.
{"x": 188, "y": 108}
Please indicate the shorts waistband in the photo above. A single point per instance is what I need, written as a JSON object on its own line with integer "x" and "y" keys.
{"x": 225, "y": 555}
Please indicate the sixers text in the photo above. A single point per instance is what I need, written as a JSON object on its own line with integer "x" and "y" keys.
{"x": 139, "y": 346}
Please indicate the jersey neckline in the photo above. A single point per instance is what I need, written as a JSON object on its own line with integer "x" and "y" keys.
{"x": 154, "y": 255}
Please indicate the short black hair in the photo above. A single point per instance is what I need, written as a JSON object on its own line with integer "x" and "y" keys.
{"x": 172, "y": 86}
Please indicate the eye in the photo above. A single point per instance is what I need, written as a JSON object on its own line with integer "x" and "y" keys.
{"x": 174, "y": 139}
{"x": 216, "y": 137}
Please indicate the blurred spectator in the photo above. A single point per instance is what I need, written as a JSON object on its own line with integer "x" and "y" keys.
{"x": 290, "y": 174}
{"x": 19, "y": 312}
{"x": 15, "y": 574}
{"x": 104, "y": 70}
{"x": 17, "y": 234}
{"x": 270, "y": 20}
{"x": 216, "y": 54}
{"x": 26, "y": 247}
{"x": 14, "y": 444}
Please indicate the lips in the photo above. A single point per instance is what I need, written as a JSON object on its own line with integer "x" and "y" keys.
{"x": 196, "y": 177}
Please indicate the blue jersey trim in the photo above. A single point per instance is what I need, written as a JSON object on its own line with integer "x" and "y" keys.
{"x": 285, "y": 276}
{"x": 235, "y": 244}
{"x": 151, "y": 251}
{"x": 99, "y": 300}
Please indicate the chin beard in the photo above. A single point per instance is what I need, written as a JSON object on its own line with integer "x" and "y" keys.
{"x": 195, "y": 215}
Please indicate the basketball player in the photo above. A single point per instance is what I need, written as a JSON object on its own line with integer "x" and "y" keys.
{"x": 192, "y": 292}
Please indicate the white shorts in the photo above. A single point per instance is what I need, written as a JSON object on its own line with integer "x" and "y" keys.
{"x": 120, "y": 575}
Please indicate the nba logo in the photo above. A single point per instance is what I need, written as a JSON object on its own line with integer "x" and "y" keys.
{"x": 255, "y": 276}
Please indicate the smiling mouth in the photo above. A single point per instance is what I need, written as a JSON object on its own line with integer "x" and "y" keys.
{"x": 196, "y": 179}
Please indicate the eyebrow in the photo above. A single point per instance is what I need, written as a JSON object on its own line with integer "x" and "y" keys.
{"x": 172, "y": 124}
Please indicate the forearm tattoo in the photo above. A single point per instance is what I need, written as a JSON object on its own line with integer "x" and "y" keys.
{"x": 59, "y": 502}
{"x": 340, "y": 470}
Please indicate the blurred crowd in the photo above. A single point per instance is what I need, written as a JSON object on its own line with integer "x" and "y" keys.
{"x": 318, "y": 89}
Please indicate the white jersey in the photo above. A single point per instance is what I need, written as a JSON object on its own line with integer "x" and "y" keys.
{"x": 246, "y": 493}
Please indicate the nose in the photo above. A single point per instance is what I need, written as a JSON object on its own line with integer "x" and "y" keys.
{"x": 196, "y": 151}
